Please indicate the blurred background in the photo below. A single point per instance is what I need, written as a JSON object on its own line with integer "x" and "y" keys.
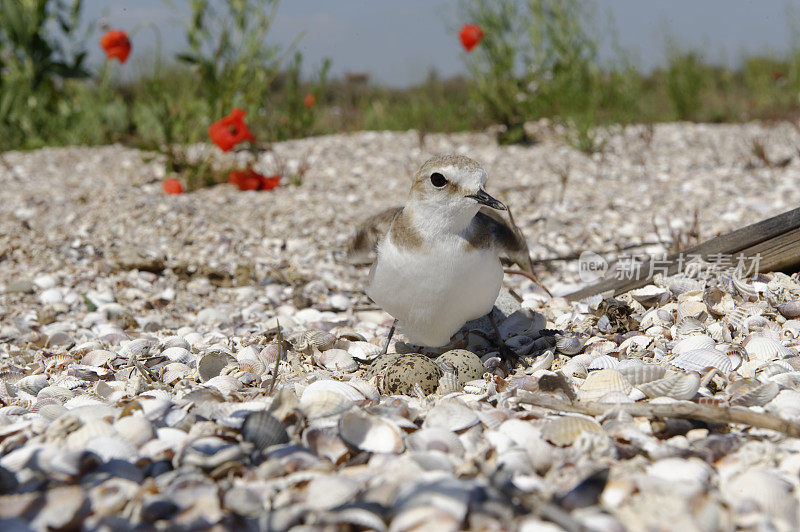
{"x": 311, "y": 67}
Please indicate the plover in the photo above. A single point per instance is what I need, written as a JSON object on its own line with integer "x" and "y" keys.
{"x": 438, "y": 257}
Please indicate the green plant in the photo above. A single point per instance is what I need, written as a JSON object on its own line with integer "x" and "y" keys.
{"x": 685, "y": 80}
{"x": 40, "y": 50}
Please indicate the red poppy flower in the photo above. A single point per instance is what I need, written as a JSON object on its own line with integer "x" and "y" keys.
{"x": 470, "y": 36}
{"x": 309, "y": 101}
{"x": 116, "y": 44}
{"x": 229, "y": 131}
{"x": 251, "y": 180}
{"x": 777, "y": 75}
{"x": 172, "y": 186}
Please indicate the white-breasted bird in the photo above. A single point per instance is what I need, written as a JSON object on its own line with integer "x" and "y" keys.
{"x": 438, "y": 257}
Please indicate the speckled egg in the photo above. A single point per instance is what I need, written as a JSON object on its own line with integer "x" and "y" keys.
{"x": 468, "y": 366}
{"x": 401, "y": 374}
{"x": 379, "y": 365}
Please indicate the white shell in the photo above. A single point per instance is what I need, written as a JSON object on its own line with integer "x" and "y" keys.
{"x": 601, "y": 382}
{"x": 760, "y": 347}
{"x": 178, "y": 354}
{"x": 603, "y": 362}
{"x": 451, "y": 414}
{"x": 681, "y": 386}
{"x": 211, "y": 364}
{"x": 370, "y": 433}
{"x": 701, "y": 359}
{"x": 693, "y": 343}
{"x": 640, "y": 373}
{"x": 364, "y": 351}
{"x": 336, "y": 360}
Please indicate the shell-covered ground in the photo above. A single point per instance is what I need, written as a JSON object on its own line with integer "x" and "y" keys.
{"x": 144, "y": 383}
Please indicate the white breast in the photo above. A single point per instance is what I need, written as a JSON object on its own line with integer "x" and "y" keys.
{"x": 433, "y": 291}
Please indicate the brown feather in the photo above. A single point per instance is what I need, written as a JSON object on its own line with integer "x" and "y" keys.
{"x": 363, "y": 244}
{"x": 489, "y": 230}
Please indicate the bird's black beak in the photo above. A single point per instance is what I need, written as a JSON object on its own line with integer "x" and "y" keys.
{"x": 485, "y": 199}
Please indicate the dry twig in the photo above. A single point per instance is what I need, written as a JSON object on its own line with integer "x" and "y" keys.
{"x": 685, "y": 410}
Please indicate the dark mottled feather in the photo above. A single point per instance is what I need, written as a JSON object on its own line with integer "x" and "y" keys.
{"x": 364, "y": 242}
{"x": 490, "y": 230}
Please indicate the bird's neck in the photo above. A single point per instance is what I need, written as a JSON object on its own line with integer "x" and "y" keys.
{"x": 434, "y": 220}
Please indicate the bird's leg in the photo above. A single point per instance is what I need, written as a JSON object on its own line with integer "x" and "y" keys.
{"x": 389, "y": 337}
{"x": 505, "y": 351}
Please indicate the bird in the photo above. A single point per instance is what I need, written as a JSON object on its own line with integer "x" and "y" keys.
{"x": 437, "y": 262}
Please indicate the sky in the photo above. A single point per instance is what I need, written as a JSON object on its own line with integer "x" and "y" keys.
{"x": 399, "y": 41}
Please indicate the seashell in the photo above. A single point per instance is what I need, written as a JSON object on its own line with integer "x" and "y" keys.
{"x": 224, "y": 384}
{"x": 574, "y": 368}
{"x": 179, "y": 354}
{"x": 649, "y": 295}
{"x": 693, "y": 343}
{"x": 312, "y": 340}
{"x": 370, "y": 433}
{"x": 763, "y": 491}
{"x": 250, "y": 361}
{"x": 750, "y": 392}
{"x": 448, "y": 383}
{"x": 336, "y": 360}
{"x": 603, "y": 362}
{"x": 435, "y": 439}
{"x": 81, "y": 349}
{"x": 682, "y": 386}
{"x": 174, "y": 372}
{"x": 348, "y": 333}
{"x": 263, "y": 430}
{"x": 329, "y": 385}
{"x": 136, "y": 429}
{"x": 211, "y": 364}
{"x": 692, "y": 309}
{"x": 761, "y": 347}
{"x": 682, "y": 285}
{"x": 688, "y": 327}
{"x": 138, "y": 348}
{"x": 542, "y": 362}
{"x": 98, "y": 357}
{"x": 601, "y": 382}
{"x": 112, "y": 447}
{"x": 452, "y": 415}
{"x": 702, "y": 359}
{"x": 62, "y": 395}
{"x": 640, "y": 373}
{"x": 691, "y": 473}
{"x": 564, "y": 430}
{"x": 173, "y": 341}
{"x": 325, "y": 442}
{"x": 468, "y": 365}
{"x": 364, "y": 351}
{"x": 32, "y": 384}
{"x": 60, "y": 508}
{"x": 790, "y": 309}
{"x": 367, "y": 389}
{"x": 568, "y": 344}
{"x": 718, "y": 302}
{"x": 322, "y": 402}
{"x": 58, "y": 361}
{"x": 635, "y": 344}
{"x": 326, "y": 492}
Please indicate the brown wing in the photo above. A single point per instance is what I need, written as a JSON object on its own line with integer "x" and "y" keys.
{"x": 490, "y": 230}
{"x": 362, "y": 245}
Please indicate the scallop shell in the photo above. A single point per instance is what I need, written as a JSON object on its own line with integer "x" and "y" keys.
{"x": 435, "y": 439}
{"x": 649, "y": 295}
{"x": 448, "y": 383}
{"x": 688, "y": 327}
{"x": 768, "y": 492}
{"x": 683, "y": 285}
{"x": 364, "y": 351}
{"x": 601, "y": 382}
{"x": 761, "y": 347}
{"x": 790, "y": 309}
{"x": 370, "y": 433}
{"x": 250, "y": 361}
{"x": 750, "y": 392}
{"x": 692, "y": 309}
{"x": 563, "y": 431}
{"x": 682, "y": 386}
{"x": 336, "y": 360}
{"x": 701, "y": 359}
{"x": 325, "y": 442}
{"x": 328, "y": 397}
{"x": 367, "y": 389}
{"x": 173, "y": 341}
{"x": 312, "y": 340}
{"x": 32, "y": 384}
{"x": 263, "y": 430}
{"x": 211, "y": 364}
{"x": 138, "y": 348}
{"x": 224, "y": 384}
{"x": 569, "y": 344}
{"x": 693, "y": 343}
{"x": 451, "y": 414}
{"x": 603, "y": 362}
{"x": 178, "y": 354}
{"x": 98, "y": 357}
{"x": 640, "y": 373}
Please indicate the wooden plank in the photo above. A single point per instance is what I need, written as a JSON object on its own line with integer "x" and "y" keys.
{"x": 776, "y": 240}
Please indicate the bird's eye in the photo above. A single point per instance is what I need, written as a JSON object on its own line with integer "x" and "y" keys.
{"x": 438, "y": 180}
